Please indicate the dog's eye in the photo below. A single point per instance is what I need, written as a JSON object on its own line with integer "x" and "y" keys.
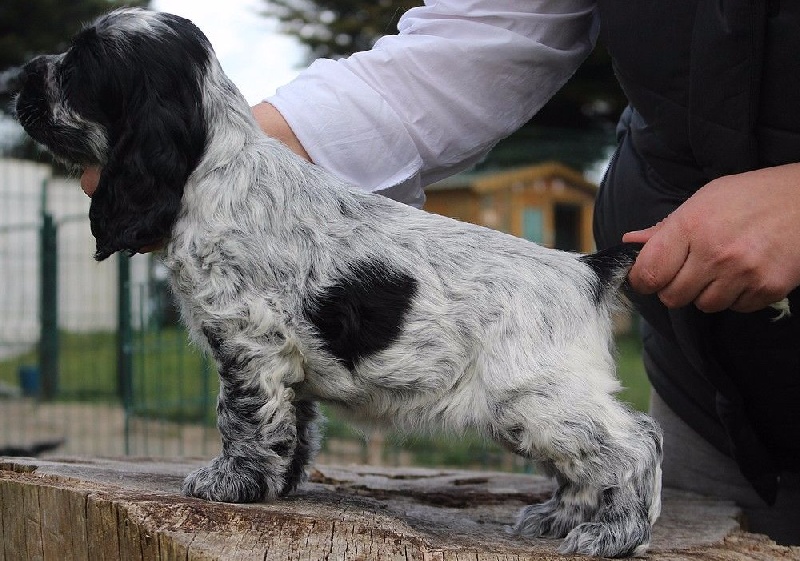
{"x": 68, "y": 83}
{"x": 74, "y": 71}
{"x": 82, "y": 91}
{"x": 65, "y": 72}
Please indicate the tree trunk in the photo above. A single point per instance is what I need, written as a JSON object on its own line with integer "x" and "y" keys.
{"x": 132, "y": 509}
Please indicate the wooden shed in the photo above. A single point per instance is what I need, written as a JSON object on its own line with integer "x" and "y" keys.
{"x": 550, "y": 203}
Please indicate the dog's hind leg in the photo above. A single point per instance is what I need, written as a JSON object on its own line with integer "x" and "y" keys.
{"x": 622, "y": 525}
{"x": 257, "y": 422}
{"x": 607, "y": 462}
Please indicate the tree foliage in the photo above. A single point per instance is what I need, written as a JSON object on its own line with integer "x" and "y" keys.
{"x": 337, "y": 28}
{"x": 585, "y": 108}
{"x": 30, "y": 27}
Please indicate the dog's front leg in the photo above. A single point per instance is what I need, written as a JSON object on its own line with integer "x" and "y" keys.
{"x": 308, "y": 442}
{"x": 257, "y": 423}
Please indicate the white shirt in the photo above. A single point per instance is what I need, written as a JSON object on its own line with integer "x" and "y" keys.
{"x": 434, "y": 99}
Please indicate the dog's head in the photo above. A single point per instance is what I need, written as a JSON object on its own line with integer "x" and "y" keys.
{"x": 127, "y": 96}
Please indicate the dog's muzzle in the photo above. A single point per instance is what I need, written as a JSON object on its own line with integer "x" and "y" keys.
{"x": 32, "y": 102}
{"x": 42, "y": 111}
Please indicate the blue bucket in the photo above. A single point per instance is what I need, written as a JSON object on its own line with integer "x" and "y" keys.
{"x": 30, "y": 381}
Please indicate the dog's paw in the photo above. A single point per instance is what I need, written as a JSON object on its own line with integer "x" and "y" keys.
{"x": 230, "y": 480}
{"x": 555, "y": 518}
{"x": 542, "y": 521}
{"x": 599, "y": 540}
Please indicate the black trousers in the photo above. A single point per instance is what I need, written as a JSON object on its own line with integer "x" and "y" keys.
{"x": 733, "y": 378}
{"x": 692, "y": 464}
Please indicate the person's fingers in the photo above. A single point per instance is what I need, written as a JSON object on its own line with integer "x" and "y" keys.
{"x": 718, "y": 296}
{"x": 690, "y": 282}
{"x": 89, "y": 180}
{"x": 662, "y": 256}
{"x": 151, "y": 248}
{"x": 640, "y": 236}
{"x": 757, "y": 297}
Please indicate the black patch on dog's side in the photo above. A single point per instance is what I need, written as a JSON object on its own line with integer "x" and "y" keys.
{"x": 363, "y": 312}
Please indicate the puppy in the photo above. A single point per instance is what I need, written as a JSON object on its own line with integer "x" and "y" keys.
{"x": 306, "y": 289}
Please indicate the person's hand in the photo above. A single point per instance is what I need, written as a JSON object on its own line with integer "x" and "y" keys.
{"x": 89, "y": 180}
{"x": 735, "y": 244}
{"x": 273, "y": 124}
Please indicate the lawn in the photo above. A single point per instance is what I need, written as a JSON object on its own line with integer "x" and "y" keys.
{"x": 636, "y": 387}
{"x": 170, "y": 378}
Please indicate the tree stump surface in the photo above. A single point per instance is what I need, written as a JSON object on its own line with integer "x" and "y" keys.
{"x": 132, "y": 509}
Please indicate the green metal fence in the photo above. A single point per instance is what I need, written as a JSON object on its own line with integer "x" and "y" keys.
{"x": 83, "y": 361}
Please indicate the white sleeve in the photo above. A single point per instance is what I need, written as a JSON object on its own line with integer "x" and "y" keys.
{"x": 432, "y": 100}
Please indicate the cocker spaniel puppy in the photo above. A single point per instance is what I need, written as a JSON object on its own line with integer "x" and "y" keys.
{"x": 306, "y": 289}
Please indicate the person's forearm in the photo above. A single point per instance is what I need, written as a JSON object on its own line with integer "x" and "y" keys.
{"x": 272, "y": 122}
{"x": 437, "y": 97}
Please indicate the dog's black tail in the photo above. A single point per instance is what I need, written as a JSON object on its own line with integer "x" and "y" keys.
{"x": 611, "y": 267}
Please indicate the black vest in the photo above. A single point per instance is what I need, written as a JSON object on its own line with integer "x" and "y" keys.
{"x": 718, "y": 81}
{"x": 714, "y": 89}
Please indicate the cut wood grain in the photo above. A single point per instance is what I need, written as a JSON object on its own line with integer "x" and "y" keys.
{"x": 130, "y": 509}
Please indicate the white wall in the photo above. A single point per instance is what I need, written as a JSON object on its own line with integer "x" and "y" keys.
{"x": 86, "y": 289}
{"x": 20, "y": 188}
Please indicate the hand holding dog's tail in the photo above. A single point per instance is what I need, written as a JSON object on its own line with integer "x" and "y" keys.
{"x": 611, "y": 267}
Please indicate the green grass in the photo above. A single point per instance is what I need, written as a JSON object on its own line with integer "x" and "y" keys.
{"x": 170, "y": 379}
{"x": 630, "y": 370}
{"x": 86, "y": 366}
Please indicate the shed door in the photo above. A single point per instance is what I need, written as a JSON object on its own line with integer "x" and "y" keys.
{"x": 533, "y": 225}
{"x": 568, "y": 227}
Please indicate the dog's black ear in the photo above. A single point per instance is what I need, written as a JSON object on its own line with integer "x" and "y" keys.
{"x": 156, "y": 142}
{"x": 141, "y": 185}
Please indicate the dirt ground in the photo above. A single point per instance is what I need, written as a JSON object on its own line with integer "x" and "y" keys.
{"x": 99, "y": 430}
{"x": 96, "y": 429}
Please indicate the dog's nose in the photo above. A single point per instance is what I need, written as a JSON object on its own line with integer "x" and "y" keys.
{"x": 36, "y": 66}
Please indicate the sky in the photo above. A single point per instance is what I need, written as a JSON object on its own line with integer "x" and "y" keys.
{"x": 253, "y": 54}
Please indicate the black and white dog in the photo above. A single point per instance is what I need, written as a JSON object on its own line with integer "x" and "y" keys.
{"x": 306, "y": 289}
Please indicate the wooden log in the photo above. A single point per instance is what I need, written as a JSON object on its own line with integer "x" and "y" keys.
{"x": 132, "y": 509}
